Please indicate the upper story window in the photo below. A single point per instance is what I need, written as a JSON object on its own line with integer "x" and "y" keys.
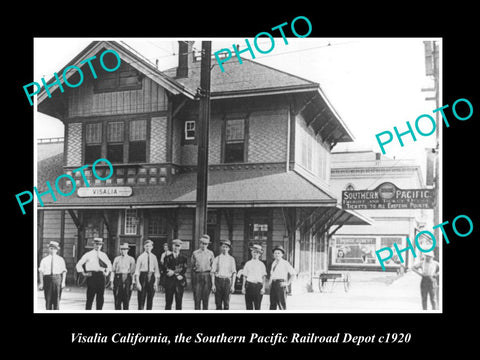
{"x": 189, "y": 130}
{"x": 234, "y": 140}
{"x": 124, "y": 78}
{"x": 115, "y": 141}
{"x": 93, "y": 142}
{"x": 137, "y": 148}
{"x": 120, "y": 135}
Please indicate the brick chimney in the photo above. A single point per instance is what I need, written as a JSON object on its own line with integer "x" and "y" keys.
{"x": 185, "y": 58}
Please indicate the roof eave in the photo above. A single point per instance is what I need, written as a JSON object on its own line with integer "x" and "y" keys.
{"x": 348, "y": 135}
{"x": 141, "y": 65}
{"x": 264, "y": 91}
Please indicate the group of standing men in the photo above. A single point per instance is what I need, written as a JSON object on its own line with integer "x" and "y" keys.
{"x": 126, "y": 274}
{"x": 209, "y": 274}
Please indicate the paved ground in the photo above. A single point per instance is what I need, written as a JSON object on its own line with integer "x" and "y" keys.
{"x": 369, "y": 292}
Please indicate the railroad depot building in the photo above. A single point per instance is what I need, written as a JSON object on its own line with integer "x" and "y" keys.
{"x": 270, "y": 140}
{"x": 353, "y": 247}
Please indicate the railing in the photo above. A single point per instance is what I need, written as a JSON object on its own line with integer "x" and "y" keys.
{"x": 50, "y": 140}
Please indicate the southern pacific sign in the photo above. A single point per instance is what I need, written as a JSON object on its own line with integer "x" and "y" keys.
{"x": 388, "y": 196}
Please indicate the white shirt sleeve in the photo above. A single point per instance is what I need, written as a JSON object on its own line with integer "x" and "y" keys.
{"x": 42, "y": 265}
{"x": 80, "y": 263}
{"x": 63, "y": 266}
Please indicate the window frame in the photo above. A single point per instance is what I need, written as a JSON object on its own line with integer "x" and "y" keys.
{"x": 126, "y": 219}
{"x": 86, "y": 145}
{"x": 185, "y": 136}
{"x": 126, "y": 120}
{"x": 115, "y": 142}
{"x": 245, "y": 119}
{"x": 116, "y": 75}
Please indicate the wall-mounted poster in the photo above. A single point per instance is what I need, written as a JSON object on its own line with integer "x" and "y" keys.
{"x": 360, "y": 250}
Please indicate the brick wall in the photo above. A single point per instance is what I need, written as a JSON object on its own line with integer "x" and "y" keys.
{"x": 268, "y": 136}
{"x": 158, "y": 139}
{"x": 74, "y": 144}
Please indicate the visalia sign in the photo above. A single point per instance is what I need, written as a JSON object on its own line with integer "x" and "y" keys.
{"x": 117, "y": 191}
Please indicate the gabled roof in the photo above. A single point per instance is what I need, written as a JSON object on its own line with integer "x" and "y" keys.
{"x": 248, "y": 77}
{"x": 126, "y": 54}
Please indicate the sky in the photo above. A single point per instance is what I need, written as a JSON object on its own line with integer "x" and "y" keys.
{"x": 373, "y": 83}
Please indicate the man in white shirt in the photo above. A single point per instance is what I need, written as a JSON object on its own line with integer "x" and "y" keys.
{"x": 254, "y": 275}
{"x": 147, "y": 275}
{"x": 95, "y": 266}
{"x": 223, "y": 276}
{"x": 123, "y": 270}
{"x": 280, "y": 275}
{"x": 201, "y": 262}
{"x": 52, "y": 277}
{"x": 428, "y": 285}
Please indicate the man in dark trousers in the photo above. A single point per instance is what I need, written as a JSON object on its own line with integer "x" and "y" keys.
{"x": 123, "y": 271}
{"x": 223, "y": 276}
{"x": 52, "y": 277}
{"x": 254, "y": 275}
{"x": 202, "y": 260}
{"x": 428, "y": 285}
{"x": 95, "y": 266}
{"x": 281, "y": 274}
{"x": 175, "y": 267}
{"x": 147, "y": 276}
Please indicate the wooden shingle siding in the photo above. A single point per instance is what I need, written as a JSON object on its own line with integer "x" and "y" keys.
{"x": 268, "y": 136}
{"x": 158, "y": 139}
{"x": 74, "y": 144}
{"x": 83, "y": 101}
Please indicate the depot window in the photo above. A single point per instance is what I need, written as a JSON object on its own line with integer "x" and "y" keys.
{"x": 189, "y": 130}
{"x": 93, "y": 142}
{"x": 131, "y": 222}
{"x": 234, "y": 141}
{"x": 124, "y": 142}
{"x": 122, "y": 79}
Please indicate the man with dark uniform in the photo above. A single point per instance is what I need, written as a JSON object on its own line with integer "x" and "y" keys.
{"x": 147, "y": 276}
{"x": 52, "y": 277}
{"x": 175, "y": 267}
{"x": 281, "y": 274}
{"x": 202, "y": 260}
{"x": 223, "y": 276}
{"x": 95, "y": 265}
{"x": 123, "y": 270}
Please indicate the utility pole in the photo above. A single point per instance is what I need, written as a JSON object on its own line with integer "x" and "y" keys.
{"x": 432, "y": 69}
{"x": 202, "y": 141}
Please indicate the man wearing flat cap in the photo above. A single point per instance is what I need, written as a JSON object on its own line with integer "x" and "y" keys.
{"x": 95, "y": 266}
{"x": 175, "y": 267}
{"x": 254, "y": 275}
{"x": 223, "y": 276}
{"x": 429, "y": 270}
{"x": 53, "y": 272}
{"x": 281, "y": 274}
{"x": 123, "y": 270}
{"x": 147, "y": 276}
{"x": 202, "y": 260}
